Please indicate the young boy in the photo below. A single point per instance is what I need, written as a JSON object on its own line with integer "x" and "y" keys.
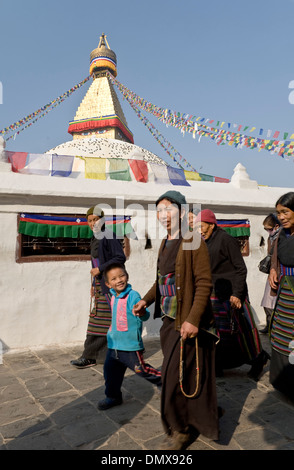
{"x": 124, "y": 338}
{"x": 105, "y": 250}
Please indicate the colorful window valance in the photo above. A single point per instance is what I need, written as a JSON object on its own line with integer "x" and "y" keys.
{"x": 236, "y": 228}
{"x": 54, "y": 226}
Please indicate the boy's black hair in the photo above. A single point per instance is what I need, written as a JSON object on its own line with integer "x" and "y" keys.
{"x": 113, "y": 266}
{"x": 272, "y": 219}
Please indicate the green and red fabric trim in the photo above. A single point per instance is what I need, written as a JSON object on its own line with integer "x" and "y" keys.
{"x": 54, "y": 226}
{"x": 236, "y": 228}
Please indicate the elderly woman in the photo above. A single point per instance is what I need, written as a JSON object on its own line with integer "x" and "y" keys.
{"x": 281, "y": 279}
{"x": 239, "y": 340}
{"x": 181, "y": 294}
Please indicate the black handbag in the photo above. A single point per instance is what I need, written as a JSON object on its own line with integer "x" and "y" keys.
{"x": 265, "y": 264}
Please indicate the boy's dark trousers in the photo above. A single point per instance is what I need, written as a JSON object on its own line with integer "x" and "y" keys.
{"x": 115, "y": 366}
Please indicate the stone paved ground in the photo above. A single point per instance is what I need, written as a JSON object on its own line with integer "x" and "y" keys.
{"x": 46, "y": 404}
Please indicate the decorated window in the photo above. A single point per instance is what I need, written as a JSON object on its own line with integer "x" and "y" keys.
{"x": 239, "y": 229}
{"x": 52, "y": 237}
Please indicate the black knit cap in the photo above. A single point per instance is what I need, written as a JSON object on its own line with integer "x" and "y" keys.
{"x": 174, "y": 196}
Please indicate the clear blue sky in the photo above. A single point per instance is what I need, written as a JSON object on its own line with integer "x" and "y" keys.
{"x": 227, "y": 60}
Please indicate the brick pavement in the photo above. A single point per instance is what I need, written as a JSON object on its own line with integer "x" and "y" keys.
{"x": 47, "y": 404}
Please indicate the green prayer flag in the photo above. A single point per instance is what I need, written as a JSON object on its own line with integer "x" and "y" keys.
{"x": 119, "y": 169}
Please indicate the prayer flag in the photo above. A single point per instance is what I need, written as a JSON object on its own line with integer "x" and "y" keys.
{"x": 140, "y": 170}
{"x": 62, "y": 165}
{"x": 177, "y": 176}
{"x": 159, "y": 173}
{"x": 95, "y": 168}
{"x": 217, "y": 179}
{"x": 205, "y": 177}
{"x": 17, "y": 160}
{"x": 78, "y": 165}
{"x": 119, "y": 169}
{"x": 37, "y": 164}
{"x": 192, "y": 175}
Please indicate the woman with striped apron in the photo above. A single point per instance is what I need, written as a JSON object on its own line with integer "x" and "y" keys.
{"x": 281, "y": 279}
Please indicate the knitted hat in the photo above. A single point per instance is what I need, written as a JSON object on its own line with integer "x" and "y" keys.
{"x": 206, "y": 216}
{"x": 174, "y": 196}
{"x": 96, "y": 210}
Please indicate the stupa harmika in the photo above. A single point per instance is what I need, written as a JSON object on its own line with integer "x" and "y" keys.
{"x": 99, "y": 128}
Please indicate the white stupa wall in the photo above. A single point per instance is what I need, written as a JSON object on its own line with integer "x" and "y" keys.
{"x": 47, "y": 303}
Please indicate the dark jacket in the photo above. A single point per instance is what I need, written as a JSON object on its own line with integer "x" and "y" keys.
{"x": 108, "y": 250}
{"x": 193, "y": 287}
{"x": 227, "y": 266}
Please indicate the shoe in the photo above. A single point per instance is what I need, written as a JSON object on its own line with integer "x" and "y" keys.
{"x": 166, "y": 443}
{"x": 178, "y": 441}
{"x": 82, "y": 363}
{"x": 264, "y": 331}
{"x": 258, "y": 365}
{"x": 109, "y": 403}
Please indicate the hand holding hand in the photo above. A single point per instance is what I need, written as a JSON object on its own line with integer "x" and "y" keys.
{"x": 139, "y": 308}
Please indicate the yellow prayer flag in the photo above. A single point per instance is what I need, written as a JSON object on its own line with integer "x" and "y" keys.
{"x": 192, "y": 175}
{"x": 95, "y": 168}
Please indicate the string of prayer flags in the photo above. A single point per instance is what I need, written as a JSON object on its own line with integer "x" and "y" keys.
{"x": 187, "y": 123}
{"x": 40, "y": 112}
{"x": 120, "y": 169}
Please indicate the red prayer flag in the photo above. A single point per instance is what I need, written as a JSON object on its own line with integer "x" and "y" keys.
{"x": 18, "y": 160}
{"x": 218, "y": 179}
{"x": 140, "y": 170}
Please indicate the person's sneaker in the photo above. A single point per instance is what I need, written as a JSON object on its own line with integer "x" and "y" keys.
{"x": 109, "y": 403}
{"x": 82, "y": 363}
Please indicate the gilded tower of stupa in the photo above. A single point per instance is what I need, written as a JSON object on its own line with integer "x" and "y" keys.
{"x": 100, "y": 113}
{"x": 99, "y": 128}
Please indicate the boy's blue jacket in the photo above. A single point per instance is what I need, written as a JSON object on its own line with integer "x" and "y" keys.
{"x": 125, "y": 332}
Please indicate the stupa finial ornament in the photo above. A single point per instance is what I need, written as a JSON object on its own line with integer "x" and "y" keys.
{"x": 102, "y": 58}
